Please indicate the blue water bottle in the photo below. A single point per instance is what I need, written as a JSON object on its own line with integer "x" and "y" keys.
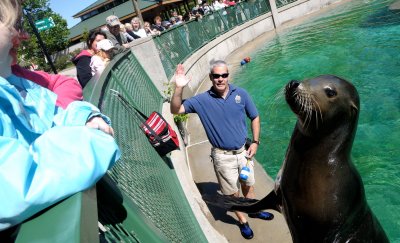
{"x": 245, "y": 172}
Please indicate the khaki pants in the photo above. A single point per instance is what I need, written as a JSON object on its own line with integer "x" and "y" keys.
{"x": 227, "y": 166}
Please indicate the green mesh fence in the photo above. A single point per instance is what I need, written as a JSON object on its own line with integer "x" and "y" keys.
{"x": 147, "y": 181}
{"x": 177, "y": 44}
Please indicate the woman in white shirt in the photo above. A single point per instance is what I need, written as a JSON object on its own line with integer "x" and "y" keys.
{"x": 102, "y": 57}
{"x": 136, "y": 28}
{"x": 219, "y": 4}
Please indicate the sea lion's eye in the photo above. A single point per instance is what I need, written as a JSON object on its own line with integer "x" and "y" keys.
{"x": 330, "y": 92}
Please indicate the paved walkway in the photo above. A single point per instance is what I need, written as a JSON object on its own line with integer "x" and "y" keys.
{"x": 71, "y": 72}
{"x": 274, "y": 231}
{"x": 395, "y": 6}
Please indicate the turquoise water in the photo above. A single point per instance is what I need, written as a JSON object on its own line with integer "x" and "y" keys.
{"x": 360, "y": 41}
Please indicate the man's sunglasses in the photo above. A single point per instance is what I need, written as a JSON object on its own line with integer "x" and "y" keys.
{"x": 216, "y": 75}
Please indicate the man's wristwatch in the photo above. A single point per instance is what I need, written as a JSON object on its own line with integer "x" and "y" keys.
{"x": 255, "y": 141}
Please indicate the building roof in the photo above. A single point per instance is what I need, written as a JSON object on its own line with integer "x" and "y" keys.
{"x": 92, "y": 6}
{"x": 98, "y": 20}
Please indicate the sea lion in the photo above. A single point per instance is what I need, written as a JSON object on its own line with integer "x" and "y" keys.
{"x": 319, "y": 190}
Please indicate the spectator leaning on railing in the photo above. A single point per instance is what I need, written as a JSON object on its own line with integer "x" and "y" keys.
{"x": 102, "y": 57}
{"x": 157, "y": 24}
{"x": 128, "y": 36}
{"x": 113, "y": 33}
{"x": 179, "y": 20}
{"x": 82, "y": 60}
{"x": 166, "y": 24}
{"x": 137, "y": 29}
{"x": 218, "y": 5}
{"x": 206, "y": 8}
{"x": 149, "y": 30}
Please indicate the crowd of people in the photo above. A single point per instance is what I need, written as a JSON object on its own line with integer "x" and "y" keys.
{"x": 120, "y": 35}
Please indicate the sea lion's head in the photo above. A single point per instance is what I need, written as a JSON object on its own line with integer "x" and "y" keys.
{"x": 323, "y": 103}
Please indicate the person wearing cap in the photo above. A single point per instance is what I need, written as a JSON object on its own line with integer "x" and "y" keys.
{"x": 114, "y": 34}
{"x": 102, "y": 57}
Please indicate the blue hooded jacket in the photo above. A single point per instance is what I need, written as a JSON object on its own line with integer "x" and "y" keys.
{"x": 46, "y": 153}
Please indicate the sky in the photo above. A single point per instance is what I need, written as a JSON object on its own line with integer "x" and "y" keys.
{"x": 67, "y": 8}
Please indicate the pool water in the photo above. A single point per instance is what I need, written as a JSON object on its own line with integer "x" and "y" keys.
{"x": 359, "y": 41}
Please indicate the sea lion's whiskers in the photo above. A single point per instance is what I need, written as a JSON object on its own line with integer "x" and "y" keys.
{"x": 279, "y": 94}
{"x": 300, "y": 99}
{"x": 316, "y": 105}
{"x": 303, "y": 101}
{"x": 309, "y": 111}
{"x": 273, "y": 101}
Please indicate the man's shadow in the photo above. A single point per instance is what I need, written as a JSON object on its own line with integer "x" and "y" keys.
{"x": 211, "y": 189}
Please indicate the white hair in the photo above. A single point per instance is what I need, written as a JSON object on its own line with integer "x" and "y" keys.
{"x": 218, "y": 63}
{"x": 135, "y": 19}
{"x": 10, "y": 12}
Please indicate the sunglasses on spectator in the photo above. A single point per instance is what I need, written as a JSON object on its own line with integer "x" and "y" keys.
{"x": 216, "y": 75}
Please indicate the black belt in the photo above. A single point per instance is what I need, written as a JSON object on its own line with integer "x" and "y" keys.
{"x": 231, "y": 152}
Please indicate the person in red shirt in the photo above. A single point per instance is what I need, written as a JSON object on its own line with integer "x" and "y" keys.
{"x": 67, "y": 88}
{"x": 230, "y": 3}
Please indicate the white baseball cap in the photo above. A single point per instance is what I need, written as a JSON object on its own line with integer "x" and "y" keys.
{"x": 105, "y": 45}
{"x": 112, "y": 20}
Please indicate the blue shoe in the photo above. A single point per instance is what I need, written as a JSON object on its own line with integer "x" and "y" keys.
{"x": 262, "y": 215}
{"x": 246, "y": 231}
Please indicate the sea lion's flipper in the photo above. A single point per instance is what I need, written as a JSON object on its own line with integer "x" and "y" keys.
{"x": 227, "y": 202}
{"x": 243, "y": 204}
{"x": 271, "y": 201}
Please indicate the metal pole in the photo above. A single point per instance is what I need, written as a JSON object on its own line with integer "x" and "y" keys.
{"x": 42, "y": 45}
{"x": 138, "y": 12}
{"x": 275, "y": 13}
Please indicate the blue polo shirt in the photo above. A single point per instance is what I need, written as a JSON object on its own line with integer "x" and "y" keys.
{"x": 224, "y": 120}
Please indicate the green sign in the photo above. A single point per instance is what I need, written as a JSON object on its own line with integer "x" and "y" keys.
{"x": 45, "y": 24}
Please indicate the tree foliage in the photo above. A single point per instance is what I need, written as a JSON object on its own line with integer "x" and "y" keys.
{"x": 55, "y": 39}
{"x": 85, "y": 35}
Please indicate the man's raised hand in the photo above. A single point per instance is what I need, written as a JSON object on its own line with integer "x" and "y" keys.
{"x": 180, "y": 78}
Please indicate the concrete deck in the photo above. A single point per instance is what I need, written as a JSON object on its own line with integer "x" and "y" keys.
{"x": 395, "y": 6}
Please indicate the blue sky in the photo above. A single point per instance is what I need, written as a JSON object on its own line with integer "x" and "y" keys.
{"x": 67, "y": 8}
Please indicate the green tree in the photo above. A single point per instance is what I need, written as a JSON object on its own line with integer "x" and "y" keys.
{"x": 55, "y": 39}
{"x": 85, "y": 35}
